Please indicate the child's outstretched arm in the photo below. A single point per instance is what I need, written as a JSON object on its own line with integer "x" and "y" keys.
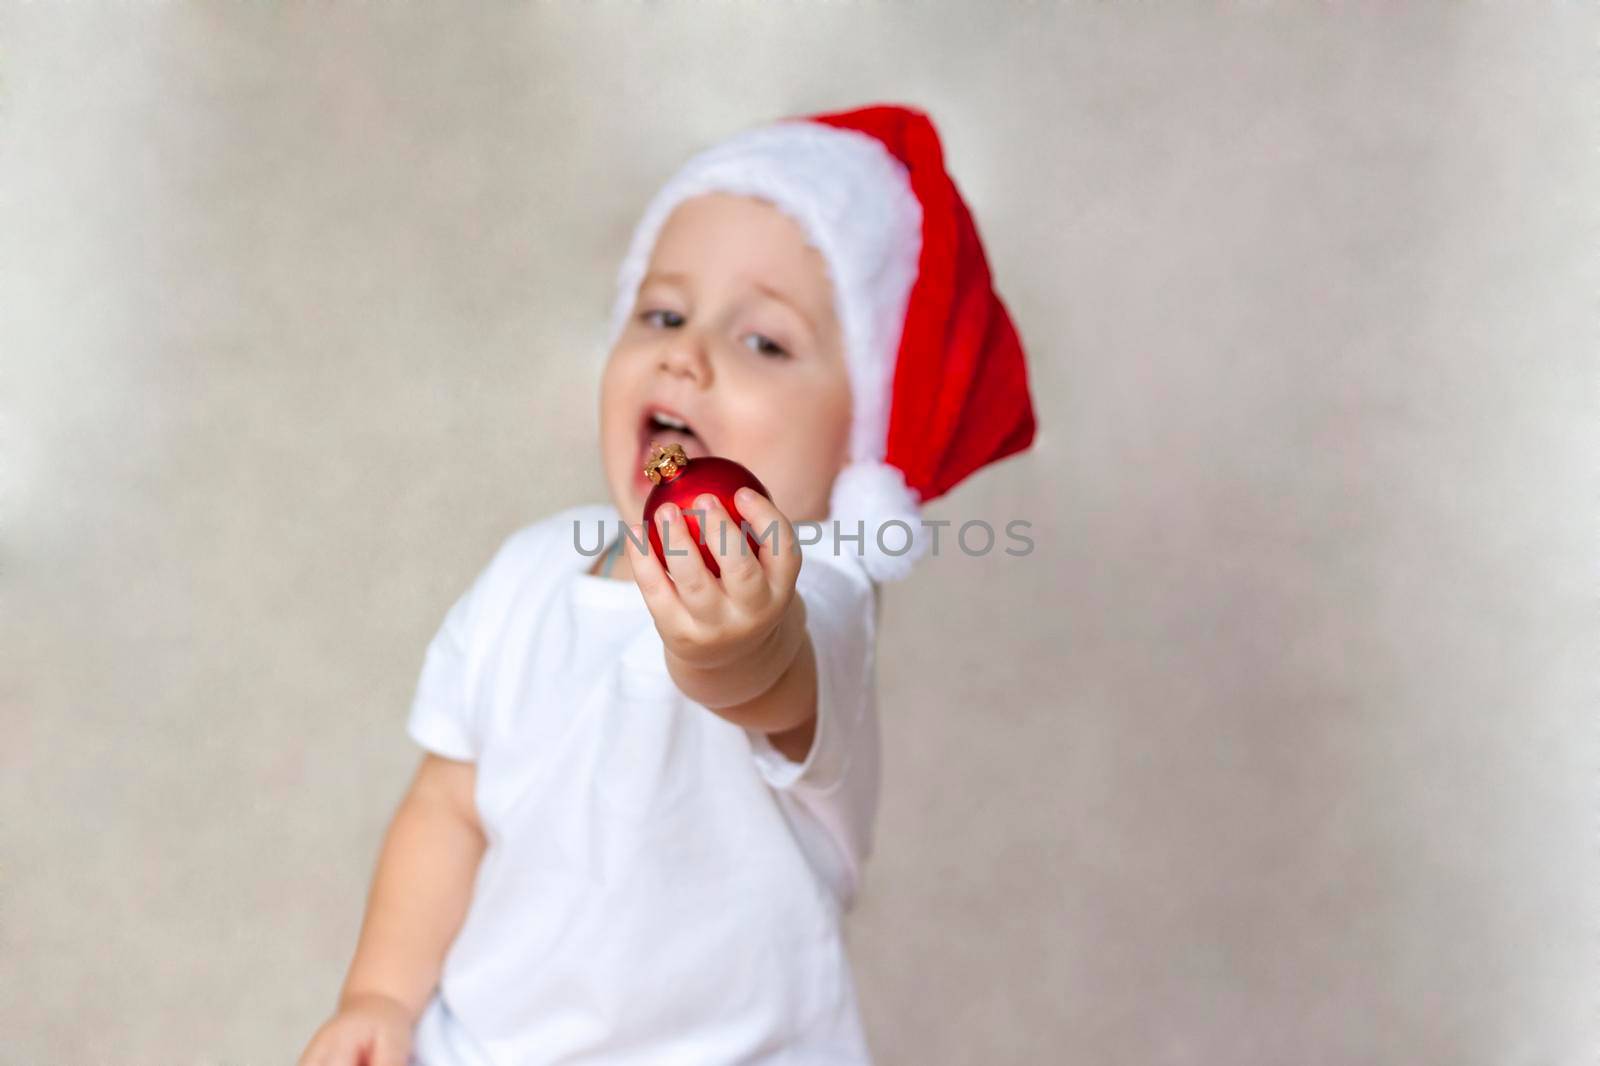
{"x": 737, "y": 645}
{"x": 418, "y": 900}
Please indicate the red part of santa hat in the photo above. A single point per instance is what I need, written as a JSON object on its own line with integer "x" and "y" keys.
{"x": 959, "y": 399}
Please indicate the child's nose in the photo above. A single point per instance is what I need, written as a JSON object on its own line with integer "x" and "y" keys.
{"x": 686, "y": 357}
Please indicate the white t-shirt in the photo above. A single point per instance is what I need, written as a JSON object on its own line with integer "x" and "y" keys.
{"x": 661, "y": 886}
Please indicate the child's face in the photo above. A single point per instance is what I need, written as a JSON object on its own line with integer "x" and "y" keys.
{"x": 756, "y": 377}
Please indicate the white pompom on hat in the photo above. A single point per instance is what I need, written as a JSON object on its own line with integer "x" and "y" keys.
{"x": 937, "y": 375}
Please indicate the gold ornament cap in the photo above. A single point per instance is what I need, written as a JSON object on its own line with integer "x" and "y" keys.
{"x": 666, "y": 463}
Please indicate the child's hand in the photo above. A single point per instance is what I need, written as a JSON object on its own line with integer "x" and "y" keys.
{"x": 368, "y": 1030}
{"x": 744, "y": 627}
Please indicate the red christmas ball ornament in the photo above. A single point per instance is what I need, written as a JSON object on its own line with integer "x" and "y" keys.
{"x": 679, "y": 479}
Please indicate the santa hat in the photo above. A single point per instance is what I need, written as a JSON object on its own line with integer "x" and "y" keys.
{"x": 937, "y": 375}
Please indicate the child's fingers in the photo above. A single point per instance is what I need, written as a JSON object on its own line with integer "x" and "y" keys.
{"x": 336, "y": 1049}
{"x": 696, "y": 588}
{"x": 387, "y": 1050}
{"x": 659, "y": 594}
{"x": 742, "y": 577}
{"x": 780, "y": 562}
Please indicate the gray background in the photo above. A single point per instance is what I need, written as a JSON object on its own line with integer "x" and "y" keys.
{"x": 1278, "y": 749}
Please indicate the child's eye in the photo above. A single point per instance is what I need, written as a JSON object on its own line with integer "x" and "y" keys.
{"x": 646, "y": 316}
{"x": 766, "y": 346}
{"x": 769, "y": 348}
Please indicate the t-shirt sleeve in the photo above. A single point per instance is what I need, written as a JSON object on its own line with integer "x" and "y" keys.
{"x": 450, "y": 713}
{"x": 838, "y": 780}
{"x": 444, "y": 713}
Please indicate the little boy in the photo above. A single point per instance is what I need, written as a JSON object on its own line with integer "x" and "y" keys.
{"x": 647, "y": 792}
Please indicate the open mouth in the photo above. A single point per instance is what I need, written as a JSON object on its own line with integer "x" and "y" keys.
{"x": 660, "y": 425}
